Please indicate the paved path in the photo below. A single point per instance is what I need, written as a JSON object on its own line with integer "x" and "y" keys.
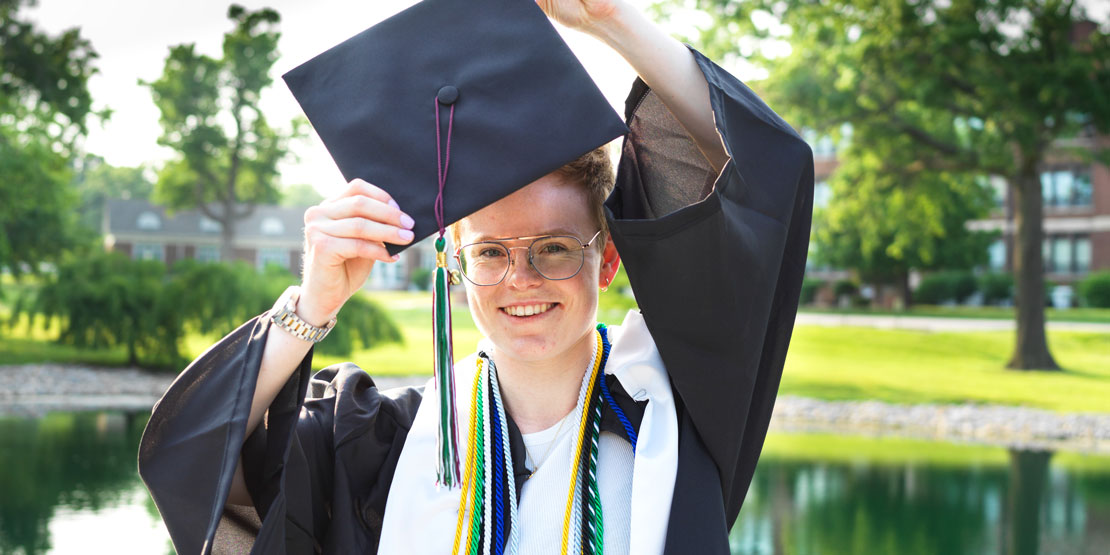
{"x": 932, "y": 323}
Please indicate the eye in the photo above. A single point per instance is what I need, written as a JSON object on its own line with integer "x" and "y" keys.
{"x": 490, "y": 252}
{"x": 553, "y": 248}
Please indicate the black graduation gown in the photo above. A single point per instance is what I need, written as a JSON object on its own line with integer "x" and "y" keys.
{"x": 715, "y": 262}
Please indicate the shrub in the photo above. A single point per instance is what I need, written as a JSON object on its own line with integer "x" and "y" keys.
{"x": 809, "y": 290}
{"x": 107, "y": 299}
{"x": 845, "y": 287}
{"x": 421, "y": 278}
{"x": 945, "y": 286}
{"x": 996, "y": 287}
{"x": 1094, "y": 290}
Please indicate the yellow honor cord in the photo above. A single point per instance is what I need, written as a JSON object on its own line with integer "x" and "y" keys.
{"x": 467, "y": 489}
{"x": 578, "y": 448}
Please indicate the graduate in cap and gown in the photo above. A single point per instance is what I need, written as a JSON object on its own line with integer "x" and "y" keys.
{"x": 473, "y": 121}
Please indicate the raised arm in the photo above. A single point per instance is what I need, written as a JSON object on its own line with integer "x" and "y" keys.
{"x": 665, "y": 64}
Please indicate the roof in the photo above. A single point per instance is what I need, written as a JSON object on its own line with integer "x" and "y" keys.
{"x": 140, "y": 217}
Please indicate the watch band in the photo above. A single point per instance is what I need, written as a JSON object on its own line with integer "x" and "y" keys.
{"x": 284, "y": 315}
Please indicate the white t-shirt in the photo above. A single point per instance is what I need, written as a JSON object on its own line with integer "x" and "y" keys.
{"x": 544, "y": 496}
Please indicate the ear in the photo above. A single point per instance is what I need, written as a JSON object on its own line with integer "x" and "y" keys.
{"x": 610, "y": 263}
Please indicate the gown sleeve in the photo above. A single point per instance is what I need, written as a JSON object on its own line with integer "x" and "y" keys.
{"x": 318, "y": 469}
{"x": 716, "y": 261}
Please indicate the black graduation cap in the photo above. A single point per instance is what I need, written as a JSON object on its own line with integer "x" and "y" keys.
{"x": 515, "y": 99}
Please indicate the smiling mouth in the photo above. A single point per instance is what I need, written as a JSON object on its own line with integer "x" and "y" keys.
{"x": 528, "y": 310}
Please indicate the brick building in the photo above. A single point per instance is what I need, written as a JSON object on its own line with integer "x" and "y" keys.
{"x": 1076, "y": 217}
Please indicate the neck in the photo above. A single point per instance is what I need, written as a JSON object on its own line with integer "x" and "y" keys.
{"x": 538, "y": 394}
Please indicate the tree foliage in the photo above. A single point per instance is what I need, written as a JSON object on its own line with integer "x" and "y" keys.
{"x": 44, "y": 104}
{"x": 227, "y": 152}
{"x": 96, "y": 181}
{"x": 972, "y": 86}
{"x": 108, "y": 299}
{"x": 885, "y": 221}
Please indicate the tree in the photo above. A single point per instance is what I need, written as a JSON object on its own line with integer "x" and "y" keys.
{"x": 300, "y": 196}
{"x": 980, "y": 87}
{"x": 96, "y": 181}
{"x": 44, "y": 104}
{"x": 222, "y": 170}
{"x": 885, "y": 219}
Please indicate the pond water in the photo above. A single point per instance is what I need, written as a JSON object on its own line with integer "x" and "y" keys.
{"x": 68, "y": 485}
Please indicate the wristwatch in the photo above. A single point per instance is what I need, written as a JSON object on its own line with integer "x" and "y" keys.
{"x": 284, "y": 315}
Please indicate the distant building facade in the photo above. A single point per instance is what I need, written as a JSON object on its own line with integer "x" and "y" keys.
{"x": 1076, "y": 217}
{"x": 271, "y": 235}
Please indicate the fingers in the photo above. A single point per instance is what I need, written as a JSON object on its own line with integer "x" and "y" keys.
{"x": 361, "y": 187}
{"x": 360, "y": 200}
{"x": 344, "y": 248}
{"x": 362, "y": 228}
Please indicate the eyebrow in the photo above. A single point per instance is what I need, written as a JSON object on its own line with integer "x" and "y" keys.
{"x": 545, "y": 233}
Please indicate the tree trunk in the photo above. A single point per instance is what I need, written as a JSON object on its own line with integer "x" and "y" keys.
{"x": 227, "y": 235}
{"x": 1031, "y": 346}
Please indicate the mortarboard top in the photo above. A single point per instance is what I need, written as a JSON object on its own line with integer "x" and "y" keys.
{"x": 523, "y": 105}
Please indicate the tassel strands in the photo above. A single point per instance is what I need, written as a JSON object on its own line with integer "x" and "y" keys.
{"x": 447, "y": 465}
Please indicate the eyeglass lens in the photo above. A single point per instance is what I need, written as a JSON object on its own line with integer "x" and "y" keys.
{"x": 555, "y": 258}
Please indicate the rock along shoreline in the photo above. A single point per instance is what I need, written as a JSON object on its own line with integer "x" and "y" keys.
{"x": 32, "y": 390}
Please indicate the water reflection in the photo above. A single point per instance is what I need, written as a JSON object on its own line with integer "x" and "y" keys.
{"x": 68, "y": 485}
{"x": 60, "y": 469}
{"x": 1019, "y": 505}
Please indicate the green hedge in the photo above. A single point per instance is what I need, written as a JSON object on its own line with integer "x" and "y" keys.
{"x": 942, "y": 287}
{"x": 1094, "y": 290}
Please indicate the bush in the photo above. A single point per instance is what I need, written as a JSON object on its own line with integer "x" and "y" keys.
{"x": 996, "y": 287}
{"x": 1094, "y": 290}
{"x": 845, "y": 287}
{"x": 809, "y": 290}
{"x": 421, "y": 278}
{"x": 942, "y": 287}
{"x": 108, "y": 299}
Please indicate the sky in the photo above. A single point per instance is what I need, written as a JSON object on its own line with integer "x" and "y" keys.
{"x": 133, "y": 38}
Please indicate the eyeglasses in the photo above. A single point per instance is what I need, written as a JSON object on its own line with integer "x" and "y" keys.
{"x": 555, "y": 257}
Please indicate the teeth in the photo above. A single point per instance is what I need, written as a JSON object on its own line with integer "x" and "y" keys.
{"x": 528, "y": 310}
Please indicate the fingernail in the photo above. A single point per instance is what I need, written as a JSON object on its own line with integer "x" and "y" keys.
{"x": 396, "y": 257}
{"x": 406, "y": 221}
{"x": 393, "y": 203}
{"x": 405, "y": 234}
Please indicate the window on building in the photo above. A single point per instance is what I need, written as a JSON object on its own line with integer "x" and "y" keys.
{"x": 997, "y": 252}
{"x": 148, "y": 220}
{"x": 272, "y": 226}
{"x": 1061, "y": 255}
{"x": 1082, "y": 255}
{"x": 1066, "y": 187}
{"x": 208, "y": 253}
{"x": 149, "y": 251}
{"x": 276, "y": 256}
{"x": 208, "y": 225}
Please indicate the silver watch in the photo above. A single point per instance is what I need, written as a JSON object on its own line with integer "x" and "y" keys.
{"x": 284, "y": 315}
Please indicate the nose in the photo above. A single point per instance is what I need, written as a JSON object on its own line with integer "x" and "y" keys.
{"x": 522, "y": 275}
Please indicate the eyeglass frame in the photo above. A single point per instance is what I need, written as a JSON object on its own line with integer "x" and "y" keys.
{"x": 535, "y": 239}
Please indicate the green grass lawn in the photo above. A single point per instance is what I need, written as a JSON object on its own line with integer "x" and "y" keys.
{"x": 830, "y": 448}
{"x": 1085, "y": 315}
{"x": 897, "y": 366}
{"x": 909, "y": 367}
